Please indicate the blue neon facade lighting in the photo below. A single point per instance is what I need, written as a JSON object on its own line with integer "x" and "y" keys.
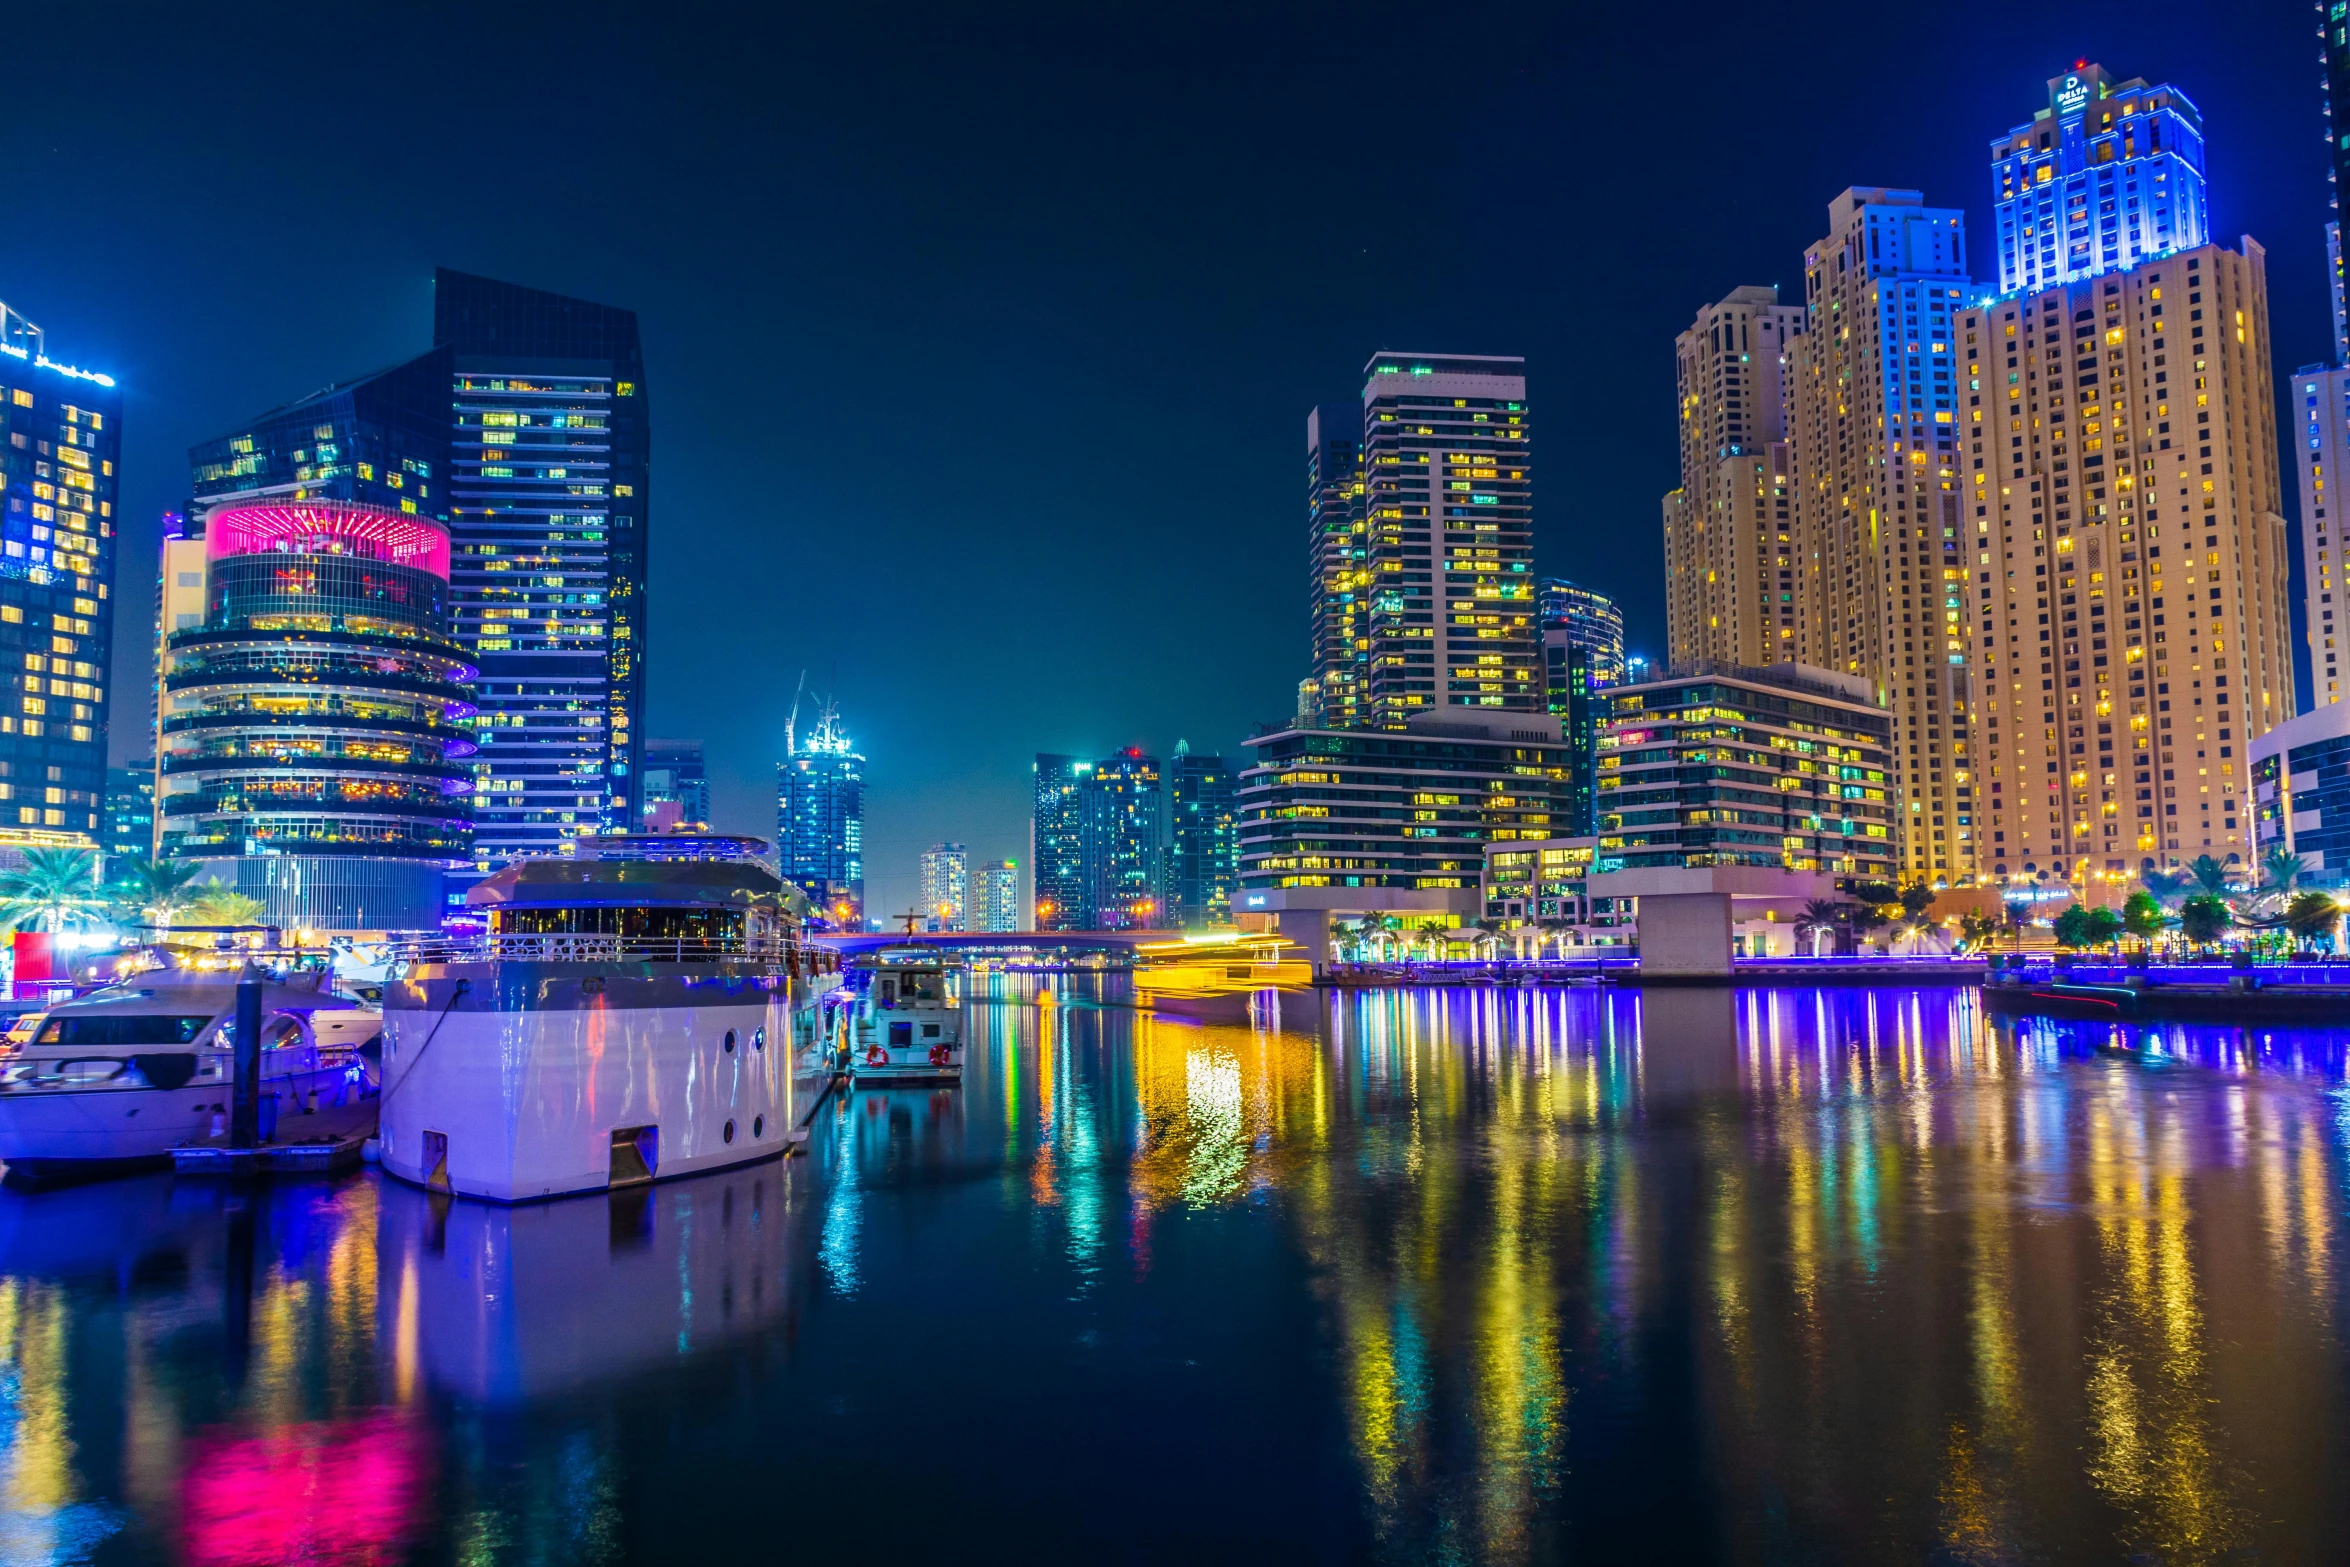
{"x": 2108, "y": 175}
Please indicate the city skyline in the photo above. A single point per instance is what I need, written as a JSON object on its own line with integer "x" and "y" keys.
{"x": 960, "y": 775}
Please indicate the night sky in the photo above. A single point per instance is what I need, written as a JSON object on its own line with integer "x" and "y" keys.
{"x": 980, "y": 340}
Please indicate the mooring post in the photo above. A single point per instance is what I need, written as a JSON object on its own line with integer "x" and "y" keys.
{"x": 244, "y": 1125}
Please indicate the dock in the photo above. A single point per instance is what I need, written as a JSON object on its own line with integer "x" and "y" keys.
{"x": 320, "y": 1143}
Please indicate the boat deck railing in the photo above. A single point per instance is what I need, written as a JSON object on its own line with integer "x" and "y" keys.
{"x": 600, "y": 948}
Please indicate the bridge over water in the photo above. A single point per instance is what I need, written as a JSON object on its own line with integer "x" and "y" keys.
{"x": 1000, "y": 943}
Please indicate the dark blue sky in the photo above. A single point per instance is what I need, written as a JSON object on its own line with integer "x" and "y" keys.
{"x": 980, "y": 340}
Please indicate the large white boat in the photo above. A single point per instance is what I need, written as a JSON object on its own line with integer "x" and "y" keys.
{"x": 624, "y": 1019}
{"x": 909, "y": 1018}
{"x": 123, "y": 1075}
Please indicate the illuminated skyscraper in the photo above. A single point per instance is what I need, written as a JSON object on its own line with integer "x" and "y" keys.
{"x": 995, "y": 897}
{"x": 549, "y": 490}
{"x": 1876, "y": 406}
{"x": 820, "y": 821}
{"x": 946, "y": 886}
{"x": 1449, "y": 502}
{"x": 1056, "y": 843}
{"x": 1733, "y": 570}
{"x": 1339, "y": 592}
{"x": 1204, "y": 833}
{"x": 2333, "y": 27}
{"x": 63, "y": 446}
{"x": 2317, "y": 415}
{"x": 1574, "y": 616}
{"x": 2129, "y": 563}
{"x": 2109, "y": 174}
{"x": 1125, "y": 840}
{"x": 676, "y": 787}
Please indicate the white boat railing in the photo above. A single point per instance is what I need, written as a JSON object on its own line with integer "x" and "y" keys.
{"x": 593, "y": 948}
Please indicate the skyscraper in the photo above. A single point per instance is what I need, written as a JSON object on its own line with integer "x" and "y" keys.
{"x": 1125, "y": 842}
{"x": 2124, "y": 486}
{"x": 1733, "y": 570}
{"x": 1449, "y": 502}
{"x": 314, "y": 755}
{"x": 1876, "y": 408}
{"x": 57, "y": 577}
{"x": 549, "y": 495}
{"x": 1577, "y": 697}
{"x": 1056, "y": 842}
{"x": 130, "y": 811}
{"x": 1573, "y": 616}
{"x": 2334, "y": 28}
{"x": 2107, "y": 175}
{"x": 820, "y": 821}
{"x": 676, "y": 787}
{"x": 2317, "y": 413}
{"x": 995, "y": 897}
{"x": 1204, "y": 833}
{"x": 1339, "y": 569}
{"x": 946, "y": 886}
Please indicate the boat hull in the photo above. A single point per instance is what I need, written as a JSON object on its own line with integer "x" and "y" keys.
{"x": 546, "y": 1079}
{"x": 62, "y": 1134}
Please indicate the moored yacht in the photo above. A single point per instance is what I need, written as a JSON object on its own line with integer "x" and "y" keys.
{"x": 1219, "y": 976}
{"x": 123, "y": 1075}
{"x": 909, "y": 1019}
{"x": 644, "y": 1013}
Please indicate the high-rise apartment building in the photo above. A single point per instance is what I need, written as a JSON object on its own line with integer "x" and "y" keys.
{"x": 2128, "y": 602}
{"x": 995, "y": 897}
{"x": 676, "y": 787}
{"x": 820, "y": 821}
{"x": 2317, "y": 417}
{"x": 1125, "y": 840}
{"x": 1449, "y": 505}
{"x": 2333, "y": 28}
{"x": 946, "y": 886}
{"x": 130, "y": 811}
{"x": 63, "y": 428}
{"x": 1876, "y": 409}
{"x": 1056, "y": 842}
{"x": 1573, "y": 616}
{"x": 549, "y": 491}
{"x": 1577, "y": 697}
{"x": 2109, "y": 174}
{"x": 1733, "y": 569}
{"x": 1204, "y": 838}
{"x": 1339, "y": 565}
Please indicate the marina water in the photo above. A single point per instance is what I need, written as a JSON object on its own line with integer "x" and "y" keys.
{"x": 1421, "y": 1275}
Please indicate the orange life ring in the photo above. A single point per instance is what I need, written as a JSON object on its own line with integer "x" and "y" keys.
{"x": 876, "y": 1056}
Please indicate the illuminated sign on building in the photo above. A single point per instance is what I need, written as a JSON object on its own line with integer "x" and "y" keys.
{"x": 2072, "y": 97}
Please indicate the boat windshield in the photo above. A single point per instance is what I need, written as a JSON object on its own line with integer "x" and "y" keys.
{"x": 100, "y": 1028}
{"x": 915, "y": 985}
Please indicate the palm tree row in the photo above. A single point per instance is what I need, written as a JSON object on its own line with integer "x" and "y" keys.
{"x": 59, "y": 890}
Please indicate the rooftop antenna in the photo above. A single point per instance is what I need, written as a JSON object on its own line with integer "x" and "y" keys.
{"x": 790, "y": 725}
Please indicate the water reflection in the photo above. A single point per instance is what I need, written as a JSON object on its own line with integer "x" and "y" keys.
{"x": 1486, "y": 1275}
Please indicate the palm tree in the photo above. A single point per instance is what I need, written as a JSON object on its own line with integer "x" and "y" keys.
{"x": 2313, "y": 918}
{"x": 2167, "y": 887}
{"x": 1822, "y": 917}
{"x": 53, "y": 889}
{"x": 2210, "y": 877}
{"x": 1976, "y": 930}
{"x": 154, "y": 889}
{"x": 217, "y": 903}
{"x": 2280, "y": 869}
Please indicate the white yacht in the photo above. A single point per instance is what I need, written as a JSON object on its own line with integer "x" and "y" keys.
{"x": 123, "y": 1075}
{"x": 645, "y": 1013}
{"x": 909, "y": 1018}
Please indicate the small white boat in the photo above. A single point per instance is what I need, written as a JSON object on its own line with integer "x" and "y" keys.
{"x": 909, "y": 1018}
{"x": 1219, "y": 976}
{"x": 118, "y": 1078}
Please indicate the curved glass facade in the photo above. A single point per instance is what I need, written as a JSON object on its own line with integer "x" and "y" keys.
{"x": 313, "y": 726}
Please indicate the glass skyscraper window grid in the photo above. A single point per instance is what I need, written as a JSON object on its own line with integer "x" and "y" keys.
{"x": 314, "y": 735}
{"x": 63, "y": 445}
{"x": 2300, "y": 779}
{"x": 2333, "y": 31}
{"x": 820, "y": 821}
{"x": 1124, "y": 836}
{"x": 1056, "y": 842}
{"x": 2109, "y": 174}
{"x": 1204, "y": 833}
{"x": 1339, "y": 568}
{"x": 1449, "y": 516}
{"x": 676, "y": 787}
{"x": 2317, "y": 413}
{"x": 549, "y": 500}
{"x": 130, "y": 810}
{"x": 1576, "y": 616}
{"x": 945, "y": 887}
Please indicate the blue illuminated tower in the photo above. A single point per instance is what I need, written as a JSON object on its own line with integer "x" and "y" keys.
{"x": 820, "y": 821}
{"x": 2109, "y": 174}
{"x": 1056, "y": 842}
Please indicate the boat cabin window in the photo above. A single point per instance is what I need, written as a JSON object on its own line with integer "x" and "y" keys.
{"x": 99, "y": 1028}
{"x": 915, "y": 986}
{"x": 659, "y": 924}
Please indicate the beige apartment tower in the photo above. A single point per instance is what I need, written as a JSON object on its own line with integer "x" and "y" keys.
{"x": 2126, "y": 574}
{"x": 1732, "y": 572}
{"x": 1873, "y": 387}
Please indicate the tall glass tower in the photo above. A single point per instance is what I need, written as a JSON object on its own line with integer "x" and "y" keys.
{"x": 63, "y": 446}
{"x": 820, "y": 822}
{"x": 2107, "y": 175}
{"x": 1574, "y": 616}
{"x": 1204, "y": 838}
{"x": 1339, "y": 587}
{"x": 1056, "y": 842}
{"x": 549, "y": 491}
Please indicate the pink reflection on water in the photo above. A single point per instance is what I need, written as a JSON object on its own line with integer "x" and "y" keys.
{"x": 329, "y": 1493}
